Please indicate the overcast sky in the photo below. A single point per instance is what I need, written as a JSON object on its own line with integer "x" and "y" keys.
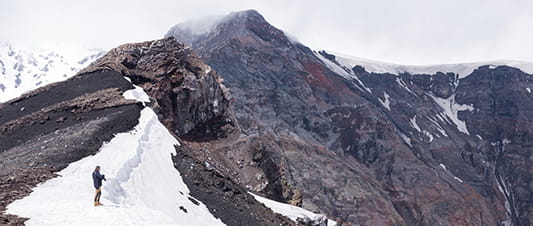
{"x": 399, "y": 31}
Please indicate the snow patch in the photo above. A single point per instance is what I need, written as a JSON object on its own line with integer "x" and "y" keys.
{"x": 136, "y": 94}
{"x": 458, "y": 179}
{"x": 385, "y": 102}
{"x": 403, "y": 85}
{"x": 429, "y": 136}
{"x": 345, "y": 72}
{"x": 461, "y": 69}
{"x": 451, "y": 110}
{"x": 290, "y": 211}
{"x": 528, "y": 90}
{"x": 413, "y": 124}
{"x": 406, "y": 139}
{"x": 443, "y": 166}
{"x": 438, "y": 127}
{"x": 508, "y": 221}
{"x": 143, "y": 187}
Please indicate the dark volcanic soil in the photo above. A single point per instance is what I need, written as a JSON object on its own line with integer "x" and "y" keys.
{"x": 224, "y": 198}
{"x": 44, "y": 131}
{"x": 436, "y": 149}
{"x": 191, "y": 102}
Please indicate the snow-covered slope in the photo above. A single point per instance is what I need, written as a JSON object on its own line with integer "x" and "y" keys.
{"x": 22, "y": 70}
{"x": 143, "y": 187}
{"x": 462, "y": 69}
{"x": 292, "y": 212}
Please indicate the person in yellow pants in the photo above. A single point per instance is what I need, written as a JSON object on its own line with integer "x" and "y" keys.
{"x": 97, "y": 196}
{"x": 97, "y": 181}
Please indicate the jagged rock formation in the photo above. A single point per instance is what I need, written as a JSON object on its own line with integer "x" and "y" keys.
{"x": 361, "y": 144}
{"x": 474, "y": 128}
{"x": 189, "y": 96}
{"x": 225, "y": 198}
{"x": 277, "y": 100}
{"x": 439, "y": 148}
{"x": 192, "y": 102}
{"x": 45, "y": 130}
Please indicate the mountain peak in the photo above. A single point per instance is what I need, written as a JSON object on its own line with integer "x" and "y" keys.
{"x": 207, "y": 24}
{"x": 235, "y": 25}
{"x": 250, "y": 15}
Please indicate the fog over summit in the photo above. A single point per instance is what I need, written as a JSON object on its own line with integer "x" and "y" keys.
{"x": 406, "y": 32}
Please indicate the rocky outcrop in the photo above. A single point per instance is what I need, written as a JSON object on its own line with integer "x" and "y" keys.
{"x": 369, "y": 148}
{"x": 360, "y": 147}
{"x": 281, "y": 94}
{"x": 306, "y": 221}
{"x": 192, "y": 102}
{"x": 215, "y": 189}
{"x": 502, "y": 116}
{"x": 189, "y": 97}
{"x": 45, "y": 130}
{"x": 469, "y": 128}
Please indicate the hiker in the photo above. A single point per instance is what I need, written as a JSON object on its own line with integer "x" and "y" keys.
{"x": 97, "y": 180}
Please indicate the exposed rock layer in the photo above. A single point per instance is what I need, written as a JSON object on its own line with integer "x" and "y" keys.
{"x": 422, "y": 149}
{"x": 43, "y": 131}
{"x": 225, "y": 199}
{"x": 189, "y": 97}
{"x": 193, "y": 103}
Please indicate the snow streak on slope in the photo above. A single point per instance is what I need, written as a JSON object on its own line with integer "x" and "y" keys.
{"x": 143, "y": 187}
{"x": 342, "y": 71}
{"x": 463, "y": 69}
{"x": 451, "y": 109}
{"x": 290, "y": 211}
{"x": 22, "y": 70}
{"x": 386, "y": 101}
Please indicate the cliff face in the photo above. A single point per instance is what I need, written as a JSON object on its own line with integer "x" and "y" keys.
{"x": 476, "y": 128}
{"x": 435, "y": 148}
{"x": 192, "y": 102}
{"x": 503, "y": 119}
{"x": 281, "y": 94}
{"x": 303, "y": 127}
{"x": 188, "y": 95}
{"x": 45, "y": 130}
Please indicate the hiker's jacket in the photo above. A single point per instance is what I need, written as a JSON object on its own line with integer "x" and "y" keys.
{"x": 97, "y": 179}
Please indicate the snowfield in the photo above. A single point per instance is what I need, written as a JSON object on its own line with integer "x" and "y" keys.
{"x": 451, "y": 110}
{"x": 290, "y": 211}
{"x": 25, "y": 69}
{"x": 462, "y": 69}
{"x": 142, "y": 187}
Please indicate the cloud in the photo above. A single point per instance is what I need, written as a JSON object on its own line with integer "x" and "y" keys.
{"x": 408, "y": 31}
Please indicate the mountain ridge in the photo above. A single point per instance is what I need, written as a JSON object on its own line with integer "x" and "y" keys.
{"x": 397, "y": 129}
{"x": 268, "y": 115}
{"x": 208, "y": 24}
{"x": 24, "y": 69}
